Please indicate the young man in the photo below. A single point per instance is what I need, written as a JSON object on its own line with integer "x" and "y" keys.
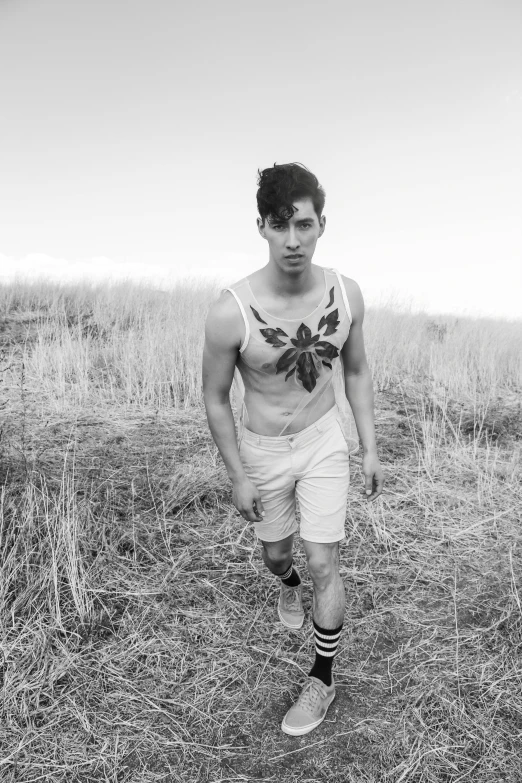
{"x": 284, "y": 328}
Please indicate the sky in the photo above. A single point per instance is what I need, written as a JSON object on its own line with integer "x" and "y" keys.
{"x": 131, "y": 132}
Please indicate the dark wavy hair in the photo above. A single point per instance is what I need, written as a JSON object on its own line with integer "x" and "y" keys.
{"x": 281, "y": 185}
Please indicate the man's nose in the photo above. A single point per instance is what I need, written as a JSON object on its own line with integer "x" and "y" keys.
{"x": 292, "y": 241}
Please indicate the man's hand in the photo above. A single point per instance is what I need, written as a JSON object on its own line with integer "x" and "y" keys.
{"x": 373, "y": 476}
{"x": 247, "y": 500}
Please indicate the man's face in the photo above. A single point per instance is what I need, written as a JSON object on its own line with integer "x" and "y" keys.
{"x": 292, "y": 243}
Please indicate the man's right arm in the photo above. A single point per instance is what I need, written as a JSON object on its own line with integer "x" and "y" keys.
{"x": 222, "y": 341}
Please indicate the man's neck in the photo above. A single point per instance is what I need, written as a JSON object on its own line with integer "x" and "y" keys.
{"x": 286, "y": 284}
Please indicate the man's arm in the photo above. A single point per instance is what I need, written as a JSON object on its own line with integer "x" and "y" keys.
{"x": 222, "y": 340}
{"x": 359, "y": 391}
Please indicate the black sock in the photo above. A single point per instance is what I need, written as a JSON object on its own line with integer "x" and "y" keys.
{"x": 290, "y": 577}
{"x": 326, "y": 641}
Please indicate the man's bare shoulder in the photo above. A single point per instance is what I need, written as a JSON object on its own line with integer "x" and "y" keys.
{"x": 224, "y": 322}
{"x": 355, "y": 297}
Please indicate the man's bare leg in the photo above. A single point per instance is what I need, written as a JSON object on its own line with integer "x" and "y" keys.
{"x": 328, "y": 605}
{"x": 277, "y": 556}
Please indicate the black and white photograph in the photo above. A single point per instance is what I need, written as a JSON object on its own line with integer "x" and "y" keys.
{"x": 260, "y": 391}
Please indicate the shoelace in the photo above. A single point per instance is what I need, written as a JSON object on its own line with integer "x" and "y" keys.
{"x": 310, "y": 695}
{"x": 291, "y": 597}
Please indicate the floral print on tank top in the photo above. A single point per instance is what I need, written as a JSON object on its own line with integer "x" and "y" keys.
{"x": 309, "y": 353}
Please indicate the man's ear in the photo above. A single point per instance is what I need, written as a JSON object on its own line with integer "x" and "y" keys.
{"x": 322, "y": 225}
{"x": 261, "y": 227}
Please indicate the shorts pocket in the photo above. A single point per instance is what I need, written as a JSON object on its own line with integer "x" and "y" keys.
{"x": 341, "y": 430}
{"x": 245, "y": 455}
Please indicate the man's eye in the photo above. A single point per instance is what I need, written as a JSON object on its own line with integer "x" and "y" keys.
{"x": 306, "y": 225}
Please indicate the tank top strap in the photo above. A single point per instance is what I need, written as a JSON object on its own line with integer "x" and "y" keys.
{"x": 233, "y": 290}
{"x": 250, "y": 307}
{"x": 342, "y": 288}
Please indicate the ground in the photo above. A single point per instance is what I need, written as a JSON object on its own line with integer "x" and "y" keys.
{"x": 139, "y": 631}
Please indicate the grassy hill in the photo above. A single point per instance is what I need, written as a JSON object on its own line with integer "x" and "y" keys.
{"x": 138, "y": 634}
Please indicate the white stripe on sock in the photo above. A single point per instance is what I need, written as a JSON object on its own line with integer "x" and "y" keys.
{"x": 326, "y": 644}
{"x": 331, "y": 636}
{"x": 325, "y": 654}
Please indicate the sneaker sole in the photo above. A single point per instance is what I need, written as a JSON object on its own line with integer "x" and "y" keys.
{"x": 287, "y": 624}
{"x": 297, "y": 731}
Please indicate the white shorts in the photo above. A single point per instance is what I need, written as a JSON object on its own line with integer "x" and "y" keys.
{"x": 311, "y": 465}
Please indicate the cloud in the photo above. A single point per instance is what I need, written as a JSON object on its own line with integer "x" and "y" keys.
{"x": 33, "y": 266}
{"x": 97, "y": 269}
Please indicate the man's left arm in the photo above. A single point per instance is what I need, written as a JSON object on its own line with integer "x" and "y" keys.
{"x": 359, "y": 391}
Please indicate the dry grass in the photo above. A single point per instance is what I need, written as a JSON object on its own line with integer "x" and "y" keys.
{"x": 137, "y": 624}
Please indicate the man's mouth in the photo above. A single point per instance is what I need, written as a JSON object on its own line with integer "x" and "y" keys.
{"x": 297, "y": 255}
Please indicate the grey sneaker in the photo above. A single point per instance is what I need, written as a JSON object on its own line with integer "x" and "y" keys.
{"x": 290, "y": 606}
{"x": 310, "y": 708}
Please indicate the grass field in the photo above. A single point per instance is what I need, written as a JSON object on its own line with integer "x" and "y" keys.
{"x": 139, "y": 640}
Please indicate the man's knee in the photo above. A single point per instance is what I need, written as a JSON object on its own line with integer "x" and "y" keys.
{"x": 323, "y": 565}
{"x": 277, "y": 553}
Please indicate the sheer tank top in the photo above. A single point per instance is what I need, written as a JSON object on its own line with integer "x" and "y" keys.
{"x": 296, "y": 358}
